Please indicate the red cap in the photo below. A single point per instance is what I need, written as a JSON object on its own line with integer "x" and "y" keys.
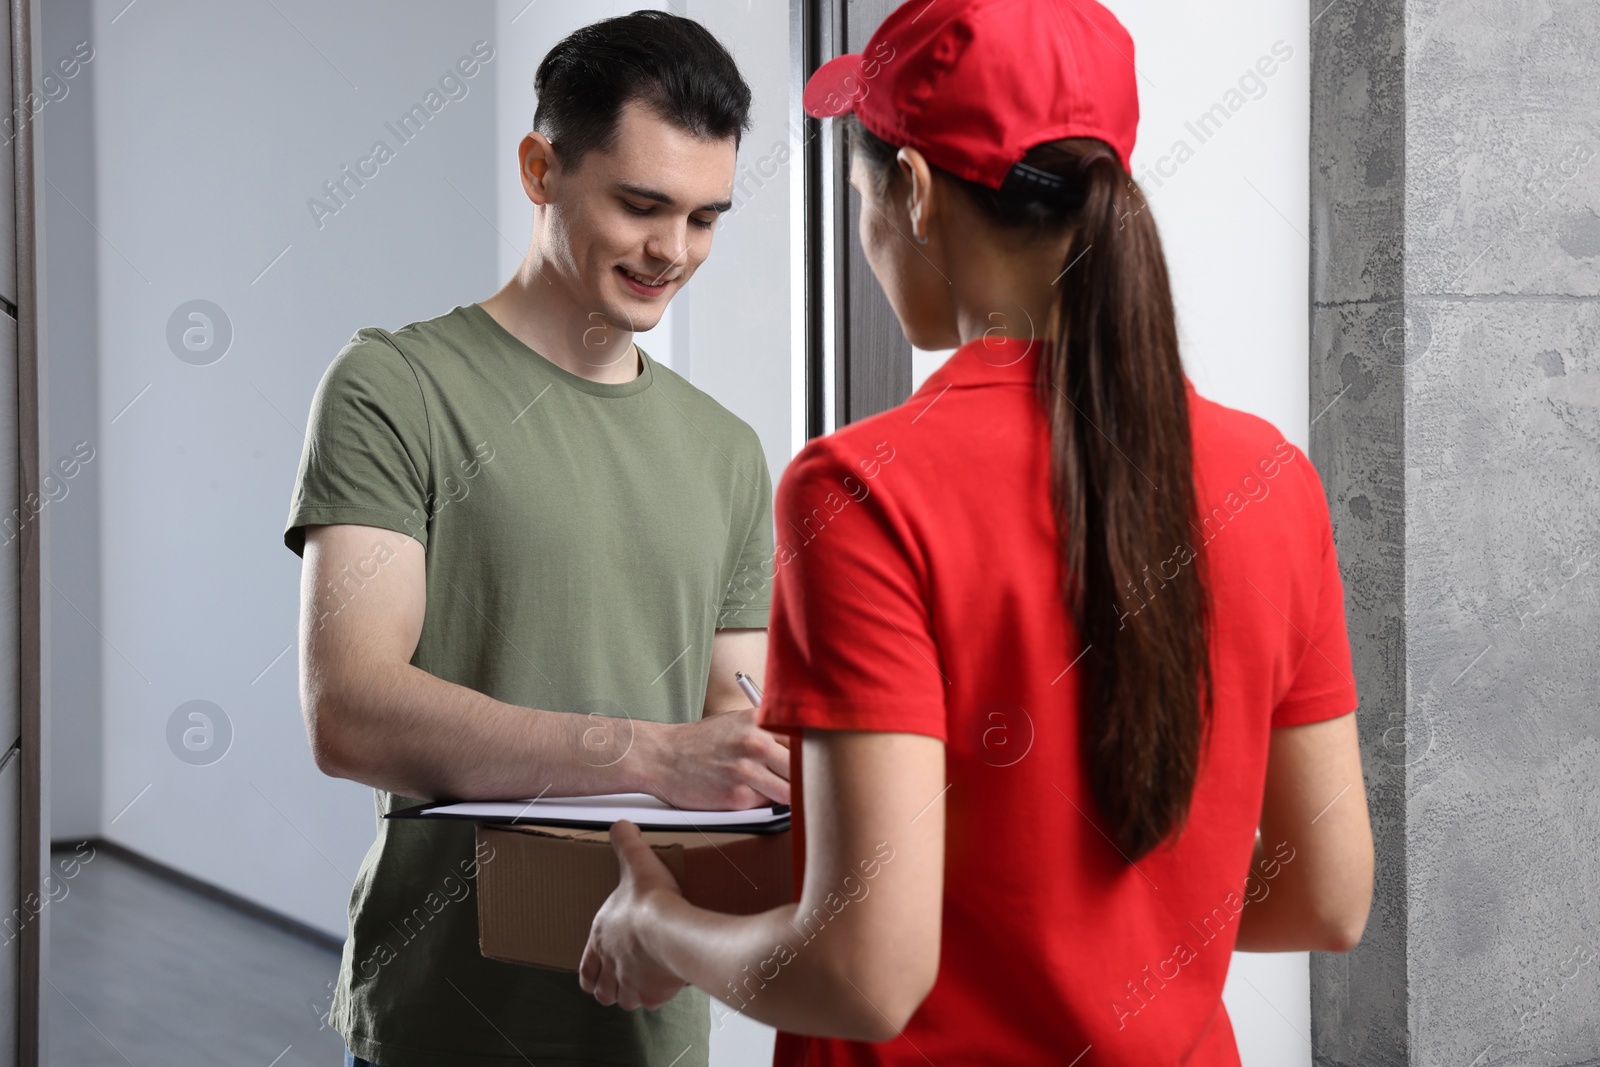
{"x": 974, "y": 84}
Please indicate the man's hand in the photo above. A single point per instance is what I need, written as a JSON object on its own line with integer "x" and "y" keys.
{"x": 722, "y": 763}
{"x": 617, "y": 966}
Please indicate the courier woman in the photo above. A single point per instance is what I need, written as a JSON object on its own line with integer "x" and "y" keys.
{"x": 1058, "y": 634}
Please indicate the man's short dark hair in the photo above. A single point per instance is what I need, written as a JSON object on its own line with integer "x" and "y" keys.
{"x": 670, "y": 64}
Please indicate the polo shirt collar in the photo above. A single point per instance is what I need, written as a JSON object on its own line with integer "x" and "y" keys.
{"x": 993, "y": 360}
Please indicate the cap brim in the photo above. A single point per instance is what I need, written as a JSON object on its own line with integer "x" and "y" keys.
{"x": 835, "y": 87}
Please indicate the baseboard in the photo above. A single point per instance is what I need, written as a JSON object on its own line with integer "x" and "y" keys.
{"x": 292, "y": 927}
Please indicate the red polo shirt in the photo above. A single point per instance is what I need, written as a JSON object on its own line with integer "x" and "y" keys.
{"x": 916, "y": 592}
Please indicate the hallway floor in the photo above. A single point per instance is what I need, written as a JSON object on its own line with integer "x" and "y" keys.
{"x": 148, "y": 973}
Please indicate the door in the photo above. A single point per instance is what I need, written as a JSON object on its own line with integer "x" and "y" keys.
{"x": 22, "y": 842}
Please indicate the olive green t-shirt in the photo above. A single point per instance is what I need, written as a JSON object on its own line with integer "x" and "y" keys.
{"x": 583, "y": 541}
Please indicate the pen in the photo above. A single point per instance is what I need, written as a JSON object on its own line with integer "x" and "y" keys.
{"x": 749, "y": 687}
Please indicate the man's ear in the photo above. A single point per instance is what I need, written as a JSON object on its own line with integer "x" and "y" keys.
{"x": 536, "y": 157}
{"x": 921, "y": 199}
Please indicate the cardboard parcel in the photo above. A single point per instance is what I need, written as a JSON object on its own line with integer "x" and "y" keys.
{"x": 548, "y": 865}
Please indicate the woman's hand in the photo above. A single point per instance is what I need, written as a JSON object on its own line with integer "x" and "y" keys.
{"x": 617, "y": 967}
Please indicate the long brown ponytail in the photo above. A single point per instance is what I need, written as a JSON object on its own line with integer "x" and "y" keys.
{"x": 1111, "y": 383}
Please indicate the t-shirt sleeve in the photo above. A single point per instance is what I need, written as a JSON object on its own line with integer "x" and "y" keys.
{"x": 365, "y": 459}
{"x": 851, "y": 643}
{"x": 747, "y": 597}
{"x": 1324, "y": 684}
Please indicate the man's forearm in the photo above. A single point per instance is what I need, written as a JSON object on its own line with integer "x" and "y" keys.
{"x": 417, "y": 735}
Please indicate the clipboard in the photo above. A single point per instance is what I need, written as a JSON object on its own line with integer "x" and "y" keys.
{"x": 598, "y": 812}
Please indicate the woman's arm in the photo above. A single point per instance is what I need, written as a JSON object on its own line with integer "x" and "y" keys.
{"x": 860, "y": 951}
{"x": 1315, "y": 812}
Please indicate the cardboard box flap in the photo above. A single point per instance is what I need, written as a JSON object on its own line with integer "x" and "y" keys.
{"x": 540, "y": 887}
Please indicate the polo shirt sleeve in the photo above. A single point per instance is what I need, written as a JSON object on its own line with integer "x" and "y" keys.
{"x": 747, "y": 598}
{"x": 851, "y": 645}
{"x": 365, "y": 458}
{"x": 1324, "y": 684}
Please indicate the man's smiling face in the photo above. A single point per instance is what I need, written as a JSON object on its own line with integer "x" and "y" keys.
{"x": 634, "y": 222}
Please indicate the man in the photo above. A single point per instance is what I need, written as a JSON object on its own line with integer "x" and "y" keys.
{"x": 535, "y": 558}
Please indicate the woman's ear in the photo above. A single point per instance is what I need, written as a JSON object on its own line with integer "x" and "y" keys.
{"x": 537, "y": 159}
{"x": 922, "y": 200}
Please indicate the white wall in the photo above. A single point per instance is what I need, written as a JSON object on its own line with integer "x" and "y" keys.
{"x": 214, "y": 126}
{"x": 1232, "y": 216}
{"x": 739, "y": 330}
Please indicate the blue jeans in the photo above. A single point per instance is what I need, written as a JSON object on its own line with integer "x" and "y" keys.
{"x": 352, "y": 1060}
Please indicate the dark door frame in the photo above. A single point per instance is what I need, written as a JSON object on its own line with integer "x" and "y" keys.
{"x": 32, "y": 841}
{"x": 857, "y": 360}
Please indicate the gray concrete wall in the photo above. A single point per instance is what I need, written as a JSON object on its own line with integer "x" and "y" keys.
{"x": 1455, "y": 189}
{"x": 1358, "y": 1001}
